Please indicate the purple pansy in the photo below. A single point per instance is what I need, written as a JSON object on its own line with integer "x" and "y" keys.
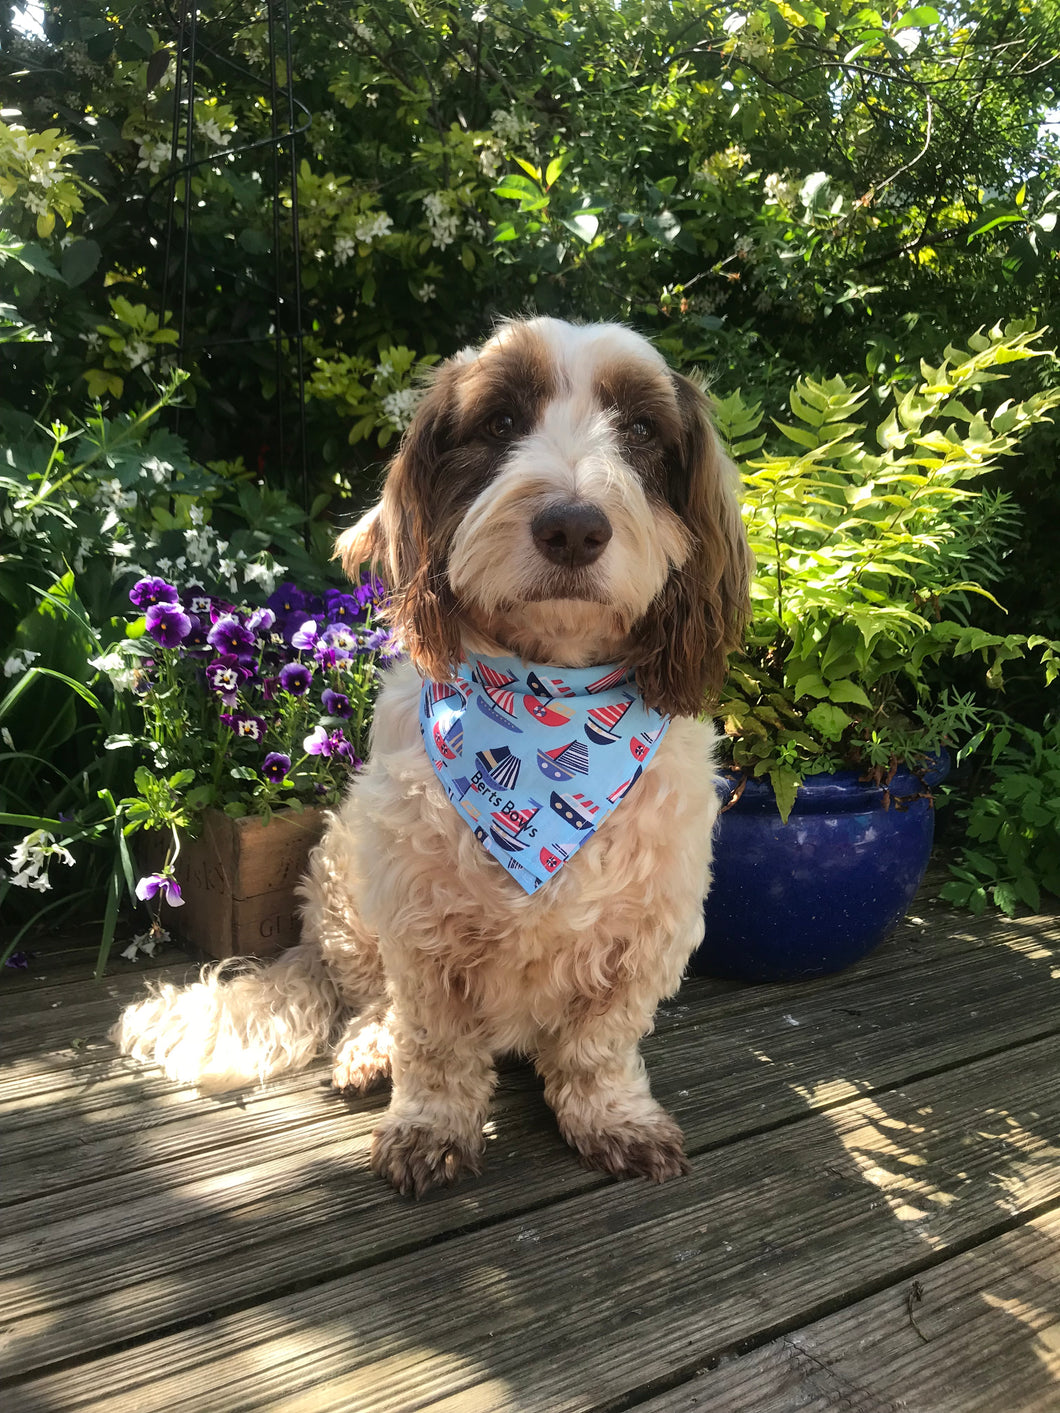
{"x": 296, "y": 678}
{"x": 245, "y": 726}
{"x": 336, "y": 703}
{"x": 230, "y": 637}
{"x": 160, "y": 883}
{"x": 275, "y": 766}
{"x": 261, "y": 620}
{"x": 341, "y": 639}
{"x": 318, "y": 742}
{"x": 146, "y": 592}
{"x": 305, "y": 637}
{"x": 285, "y": 598}
{"x": 168, "y": 624}
{"x": 226, "y": 675}
{"x": 340, "y": 608}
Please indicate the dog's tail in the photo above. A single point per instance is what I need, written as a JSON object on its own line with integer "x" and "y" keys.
{"x": 231, "y": 1029}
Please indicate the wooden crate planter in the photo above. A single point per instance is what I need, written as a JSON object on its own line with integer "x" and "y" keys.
{"x": 238, "y": 879}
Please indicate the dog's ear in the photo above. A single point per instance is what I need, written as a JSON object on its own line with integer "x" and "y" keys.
{"x": 398, "y": 537}
{"x": 682, "y": 643}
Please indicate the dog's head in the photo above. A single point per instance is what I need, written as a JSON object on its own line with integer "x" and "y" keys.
{"x": 561, "y": 495}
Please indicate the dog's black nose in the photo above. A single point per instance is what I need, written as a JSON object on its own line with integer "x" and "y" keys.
{"x": 572, "y": 535}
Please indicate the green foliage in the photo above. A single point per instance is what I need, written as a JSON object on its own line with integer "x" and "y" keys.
{"x": 873, "y": 534}
{"x": 1011, "y": 817}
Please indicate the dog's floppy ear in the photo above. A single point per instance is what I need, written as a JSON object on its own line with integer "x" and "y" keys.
{"x": 682, "y": 643}
{"x": 398, "y": 538}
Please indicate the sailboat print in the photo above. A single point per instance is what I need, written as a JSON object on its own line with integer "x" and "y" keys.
{"x": 575, "y": 809}
{"x": 565, "y": 762}
{"x": 500, "y": 706}
{"x": 642, "y": 744}
{"x": 604, "y": 684}
{"x": 553, "y": 857}
{"x": 499, "y": 767}
{"x": 548, "y": 686}
{"x": 506, "y": 828}
{"x": 626, "y": 785}
{"x": 435, "y": 694}
{"x": 599, "y": 726}
{"x": 449, "y": 737}
{"x": 548, "y": 713}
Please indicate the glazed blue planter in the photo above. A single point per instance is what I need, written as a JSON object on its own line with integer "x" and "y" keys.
{"x": 810, "y": 897}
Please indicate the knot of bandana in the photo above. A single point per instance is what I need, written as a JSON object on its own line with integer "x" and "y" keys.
{"x": 534, "y": 759}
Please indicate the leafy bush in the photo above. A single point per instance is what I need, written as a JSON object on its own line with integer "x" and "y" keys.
{"x": 871, "y": 542}
{"x": 1011, "y": 817}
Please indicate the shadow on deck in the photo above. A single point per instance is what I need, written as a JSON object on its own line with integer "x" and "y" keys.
{"x": 872, "y": 1221}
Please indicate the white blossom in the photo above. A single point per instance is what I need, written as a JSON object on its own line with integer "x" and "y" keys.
{"x": 443, "y": 221}
{"x": 400, "y": 405}
{"x": 371, "y": 226}
{"x": 345, "y": 246}
{"x": 426, "y": 292}
{"x": 31, "y": 858}
{"x": 19, "y": 660}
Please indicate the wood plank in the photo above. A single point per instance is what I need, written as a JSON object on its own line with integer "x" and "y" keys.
{"x": 761, "y": 1236}
{"x": 977, "y": 1334}
{"x": 809, "y": 1048}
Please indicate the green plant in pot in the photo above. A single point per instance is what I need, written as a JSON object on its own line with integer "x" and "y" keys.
{"x": 874, "y": 527}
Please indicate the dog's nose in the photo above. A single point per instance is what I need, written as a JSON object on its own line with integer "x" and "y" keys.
{"x": 572, "y": 535}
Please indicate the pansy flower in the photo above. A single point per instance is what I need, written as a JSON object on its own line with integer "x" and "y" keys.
{"x": 305, "y": 637}
{"x": 276, "y": 766}
{"x": 341, "y": 639}
{"x": 286, "y": 598}
{"x": 168, "y": 624}
{"x": 261, "y": 621}
{"x": 230, "y": 637}
{"x": 245, "y": 726}
{"x": 296, "y": 678}
{"x": 146, "y": 592}
{"x": 336, "y": 703}
{"x": 341, "y": 608}
{"x": 226, "y": 675}
{"x": 160, "y": 883}
{"x": 318, "y": 742}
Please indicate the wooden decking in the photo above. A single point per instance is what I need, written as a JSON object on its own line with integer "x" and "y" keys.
{"x": 872, "y": 1221}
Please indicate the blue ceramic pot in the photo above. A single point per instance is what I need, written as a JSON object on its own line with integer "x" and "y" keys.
{"x": 812, "y": 896}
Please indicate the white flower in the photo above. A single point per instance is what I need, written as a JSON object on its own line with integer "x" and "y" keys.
{"x": 509, "y": 127}
{"x": 426, "y": 292}
{"x": 384, "y": 368}
{"x": 19, "y": 660}
{"x": 443, "y": 221}
{"x": 7, "y": 738}
{"x": 371, "y": 99}
{"x": 362, "y": 31}
{"x": 345, "y": 246}
{"x": 371, "y": 226}
{"x": 212, "y": 130}
{"x": 400, "y": 405}
{"x": 120, "y": 672}
{"x": 31, "y": 857}
{"x": 152, "y": 155}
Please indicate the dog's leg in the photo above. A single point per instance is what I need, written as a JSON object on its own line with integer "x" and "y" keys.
{"x": 362, "y": 1055}
{"x": 598, "y": 1088}
{"x": 443, "y": 1079}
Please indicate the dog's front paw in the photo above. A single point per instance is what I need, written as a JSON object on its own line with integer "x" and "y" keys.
{"x": 414, "y": 1157}
{"x": 654, "y": 1150}
{"x": 363, "y": 1059}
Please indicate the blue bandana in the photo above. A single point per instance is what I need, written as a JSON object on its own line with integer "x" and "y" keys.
{"x": 536, "y": 758}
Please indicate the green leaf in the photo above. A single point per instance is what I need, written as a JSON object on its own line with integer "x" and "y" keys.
{"x": 556, "y": 167}
{"x": 785, "y": 785}
{"x": 585, "y": 227}
{"x": 80, "y": 259}
{"x": 831, "y": 721}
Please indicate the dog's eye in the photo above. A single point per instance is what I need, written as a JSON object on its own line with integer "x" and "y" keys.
{"x": 640, "y": 431}
{"x": 501, "y": 426}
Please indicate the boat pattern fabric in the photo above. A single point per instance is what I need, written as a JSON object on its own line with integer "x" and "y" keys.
{"x": 534, "y": 759}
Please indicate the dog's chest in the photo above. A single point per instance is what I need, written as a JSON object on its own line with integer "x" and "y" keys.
{"x": 626, "y": 901}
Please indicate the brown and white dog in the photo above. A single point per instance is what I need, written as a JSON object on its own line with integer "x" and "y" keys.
{"x": 559, "y": 496}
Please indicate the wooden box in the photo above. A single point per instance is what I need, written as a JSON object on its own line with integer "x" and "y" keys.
{"x": 238, "y": 879}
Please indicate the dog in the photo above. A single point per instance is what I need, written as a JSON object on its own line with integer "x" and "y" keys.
{"x": 559, "y": 501}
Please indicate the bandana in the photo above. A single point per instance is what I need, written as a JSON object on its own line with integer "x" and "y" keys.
{"x": 534, "y": 759}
